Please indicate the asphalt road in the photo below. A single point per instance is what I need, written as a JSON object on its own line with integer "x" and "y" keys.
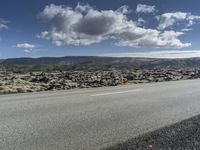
{"x": 90, "y": 119}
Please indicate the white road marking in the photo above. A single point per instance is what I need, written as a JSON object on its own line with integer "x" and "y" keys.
{"x": 119, "y": 92}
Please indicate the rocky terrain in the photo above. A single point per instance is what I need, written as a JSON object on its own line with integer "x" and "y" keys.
{"x": 20, "y": 75}
{"x": 61, "y": 80}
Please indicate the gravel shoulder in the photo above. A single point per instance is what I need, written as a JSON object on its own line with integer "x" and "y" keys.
{"x": 184, "y": 135}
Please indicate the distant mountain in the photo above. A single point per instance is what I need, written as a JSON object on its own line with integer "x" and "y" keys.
{"x": 72, "y": 60}
{"x": 46, "y": 60}
{"x": 97, "y": 63}
{"x": 1, "y": 60}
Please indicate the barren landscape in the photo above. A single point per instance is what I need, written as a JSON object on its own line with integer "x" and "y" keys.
{"x": 99, "y": 75}
{"x": 26, "y": 75}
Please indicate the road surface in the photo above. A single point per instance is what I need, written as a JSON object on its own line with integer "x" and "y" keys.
{"x": 90, "y": 119}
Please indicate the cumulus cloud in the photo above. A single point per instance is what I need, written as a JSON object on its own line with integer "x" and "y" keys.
{"x": 26, "y": 46}
{"x": 142, "y": 8}
{"x": 155, "y": 39}
{"x": 84, "y": 25}
{"x": 159, "y": 54}
{"x": 169, "y": 19}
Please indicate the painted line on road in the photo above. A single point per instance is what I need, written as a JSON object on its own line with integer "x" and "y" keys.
{"x": 119, "y": 92}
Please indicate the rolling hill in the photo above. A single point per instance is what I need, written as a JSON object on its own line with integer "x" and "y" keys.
{"x": 97, "y": 63}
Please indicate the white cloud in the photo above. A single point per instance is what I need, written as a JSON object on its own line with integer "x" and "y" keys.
{"x": 186, "y": 29}
{"x": 142, "y": 8}
{"x": 140, "y": 21}
{"x": 169, "y": 19}
{"x": 3, "y": 24}
{"x": 152, "y": 39}
{"x": 159, "y": 54}
{"x": 85, "y": 25}
{"x": 26, "y": 46}
{"x": 27, "y": 51}
{"x": 191, "y": 19}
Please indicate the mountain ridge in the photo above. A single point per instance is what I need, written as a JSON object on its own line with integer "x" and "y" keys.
{"x": 98, "y": 63}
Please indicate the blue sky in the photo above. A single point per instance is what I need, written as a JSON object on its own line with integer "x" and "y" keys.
{"x": 35, "y": 28}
